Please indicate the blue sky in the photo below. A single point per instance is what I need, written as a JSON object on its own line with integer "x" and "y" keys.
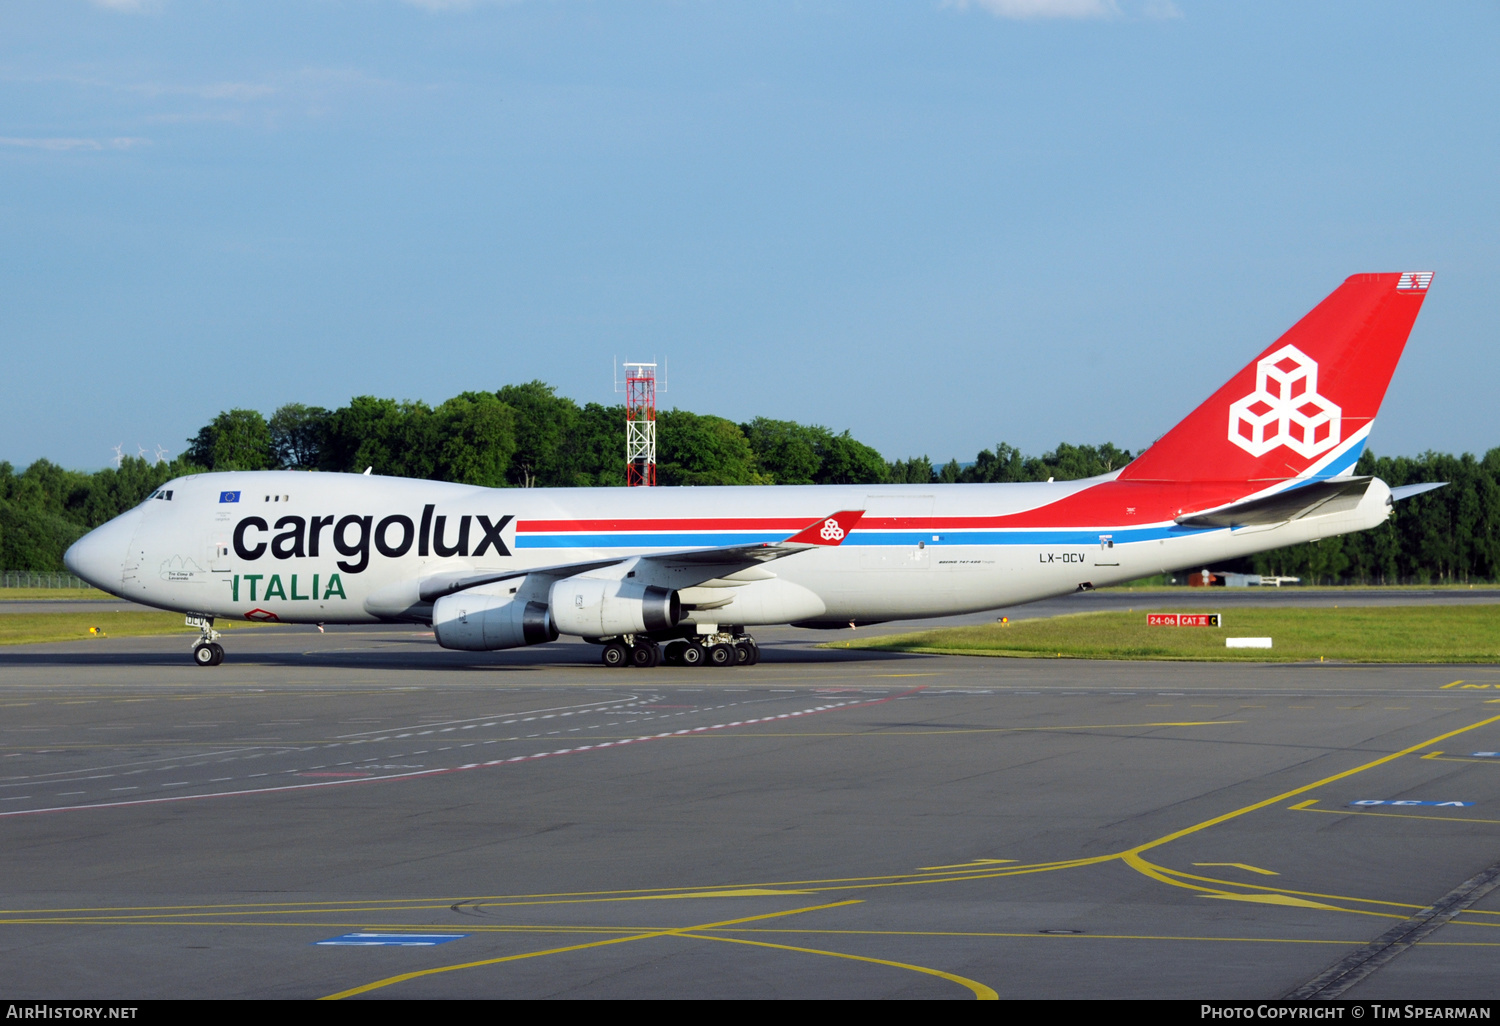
{"x": 939, "y": 225}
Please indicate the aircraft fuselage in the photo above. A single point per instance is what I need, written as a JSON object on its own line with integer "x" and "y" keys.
{"x": 339, "y": 548}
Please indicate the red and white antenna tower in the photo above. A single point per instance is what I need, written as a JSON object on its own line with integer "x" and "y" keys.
{"x": 640, "y": 424}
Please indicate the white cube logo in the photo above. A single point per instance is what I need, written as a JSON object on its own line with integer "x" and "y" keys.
{"x": 1285, "y": 408}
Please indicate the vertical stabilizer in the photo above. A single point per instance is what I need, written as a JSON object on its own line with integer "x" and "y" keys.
{"x": 1303, "y": 407}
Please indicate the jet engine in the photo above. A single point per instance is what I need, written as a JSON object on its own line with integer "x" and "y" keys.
{"x": 476, "y": 621}
{"x": 600, "y": 608}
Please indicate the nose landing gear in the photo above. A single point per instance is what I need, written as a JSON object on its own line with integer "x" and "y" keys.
{"x": 206, "y": 650}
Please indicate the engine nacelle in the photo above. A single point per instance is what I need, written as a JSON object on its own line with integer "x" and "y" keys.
{"x": 478, "y": 622}
{"x": 598, "y": 608}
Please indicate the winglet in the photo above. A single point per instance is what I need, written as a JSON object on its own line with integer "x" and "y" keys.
{"x": 830, "y": 530}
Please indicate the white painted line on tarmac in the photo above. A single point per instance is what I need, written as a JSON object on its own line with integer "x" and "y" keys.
{"x": 445, "y": 770}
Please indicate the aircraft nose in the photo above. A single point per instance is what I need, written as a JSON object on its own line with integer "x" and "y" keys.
{"x": 98, "y": 556}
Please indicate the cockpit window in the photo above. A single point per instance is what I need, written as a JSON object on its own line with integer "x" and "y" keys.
{"x": 160, "y": 493}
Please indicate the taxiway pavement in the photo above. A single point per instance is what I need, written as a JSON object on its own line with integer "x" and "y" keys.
{"x": 825, "y": 824}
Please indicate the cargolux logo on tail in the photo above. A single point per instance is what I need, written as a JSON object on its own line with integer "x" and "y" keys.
{"x": 1285, "y": 408}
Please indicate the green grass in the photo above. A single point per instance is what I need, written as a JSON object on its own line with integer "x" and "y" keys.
{"x": 29, "y": 628}
{"x": 1392, "y": 634}
{"x": 1154, "y": 587}
{"x": 57, "y": 594}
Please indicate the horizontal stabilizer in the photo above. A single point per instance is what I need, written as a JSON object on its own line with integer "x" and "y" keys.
{"x": 1407, "y": 491}
{"x": 1335, "y": 495}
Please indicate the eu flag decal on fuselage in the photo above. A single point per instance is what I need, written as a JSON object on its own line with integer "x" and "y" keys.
{"x": 229, "y": 496}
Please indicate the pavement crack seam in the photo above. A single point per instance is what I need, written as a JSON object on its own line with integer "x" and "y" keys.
{"x": 1356, "y": 966}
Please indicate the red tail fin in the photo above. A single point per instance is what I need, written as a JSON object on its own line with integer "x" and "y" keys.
{"x": 1304, "y": 406}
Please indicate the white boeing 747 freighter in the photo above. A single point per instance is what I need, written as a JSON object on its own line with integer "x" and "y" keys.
{"x": 683, "y": 574}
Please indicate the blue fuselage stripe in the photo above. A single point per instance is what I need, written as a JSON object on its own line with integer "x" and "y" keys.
{"x": 643, "y": 540}
{"x": 652, "y": 540}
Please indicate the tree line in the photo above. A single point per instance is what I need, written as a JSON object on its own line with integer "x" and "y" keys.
{"x": 526, "y": 436}
{"x": 1446, "y": 536}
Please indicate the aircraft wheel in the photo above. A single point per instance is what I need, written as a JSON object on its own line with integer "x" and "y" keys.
{"x": 746, "y": 653}
{"x": 672, "y": 654}
{"x": 692, "y": 655}
{"x": 203, "y": 655}
{"x": 645, "y": 656}
{"x": 722, "y": 655}
{"x": 218, "y": 652}
{"x": 615, "y": 655}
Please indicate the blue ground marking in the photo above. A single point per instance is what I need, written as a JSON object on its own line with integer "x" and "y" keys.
{"x": 1484, "y": 755}
{"x": 398, "y": 940}
{"x": 1402, "y": 801}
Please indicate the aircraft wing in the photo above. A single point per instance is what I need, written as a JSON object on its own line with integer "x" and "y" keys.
{"x": 435, "y": 587}
{"x": 828, "y": 531}
{"x": 689, "y": 567}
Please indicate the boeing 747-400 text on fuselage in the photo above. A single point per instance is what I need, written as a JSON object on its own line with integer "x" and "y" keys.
{"x": 1267, "y": 461}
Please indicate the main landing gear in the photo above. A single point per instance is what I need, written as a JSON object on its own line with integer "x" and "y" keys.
{"x": 206, "y": 650}
{"x": 713, "y": 649}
